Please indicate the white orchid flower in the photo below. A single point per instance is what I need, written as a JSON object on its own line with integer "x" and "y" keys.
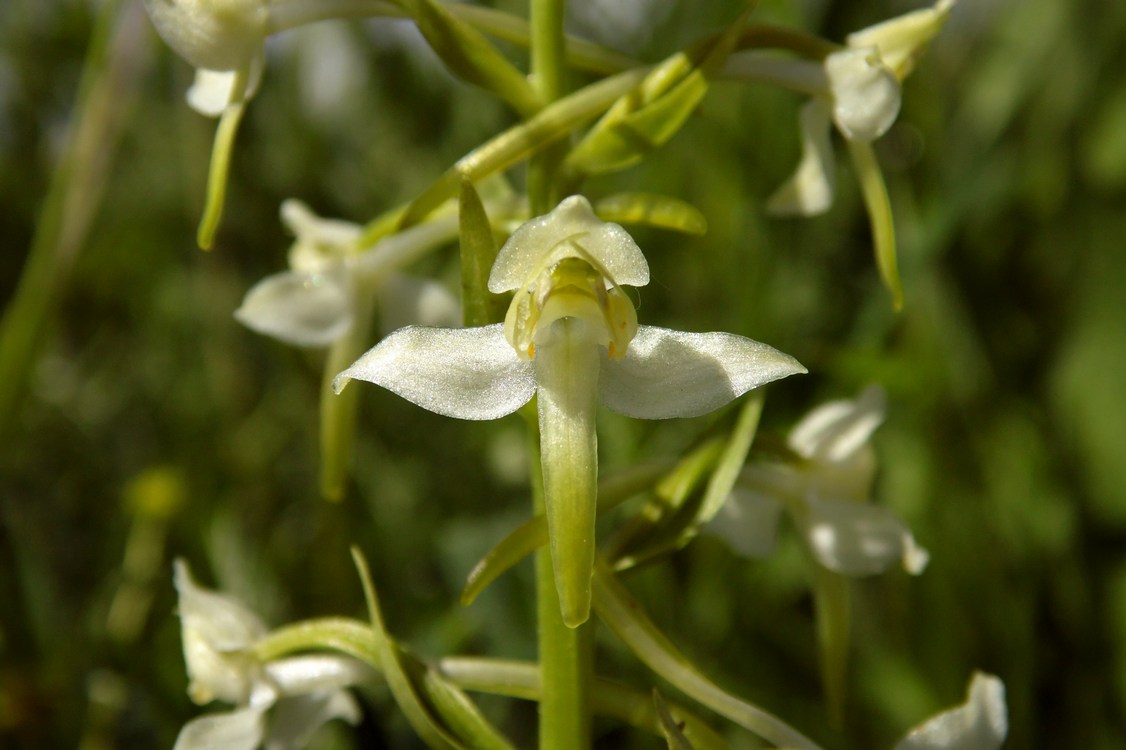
{"x": 981, "y": 723}
{"x": 857, "y": 87}
{"x": 314, "y": 303}
{"x": 279, "y": 704}
{"x": 827, "y": 495}
{"x": 223, "y": 39}
{"x": 571, "y": 335}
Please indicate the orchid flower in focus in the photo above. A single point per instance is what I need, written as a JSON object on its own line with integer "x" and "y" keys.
{"x": 315, "y": 302}
{"x": 571, "y": 336}
{"x": 279, "y": 703}
{"x": 827, "y": 494}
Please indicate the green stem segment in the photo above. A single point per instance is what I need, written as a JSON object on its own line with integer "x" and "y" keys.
{"x": 567, "y": 410}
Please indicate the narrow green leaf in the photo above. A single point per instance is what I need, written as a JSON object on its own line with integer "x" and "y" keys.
{"x": 343, "y": 634}
{"x": 626, "y": 617}
{"x": 638, "y": 125}
{"x": 659, "y": 527}
{"x": 519, "y": 142}
{"x": 731, "y": 462}
{"x": 532, "y": 534}
{"x": 395, "y": 671}
{"x": 672, "y": 729}
{"x": 478, "y": 251}
{"x": 660, "y": 211}
{"x": 610, "y": 698}
{"x": 461, "y": 714}
{"x": 875, "y": 192}
{"x": 621, "y": 144}
{"x": 470, "y": 56}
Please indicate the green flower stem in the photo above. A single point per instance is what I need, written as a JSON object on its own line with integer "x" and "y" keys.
{"x": 548, "y": 76}
{"x": 344, "y": 634}
{"x": 338, "y": 412}
{"x": 832, "y": 606}
{"x": 548, "y": 45}
{"x": 566, "y": 645}
{"x": 627, "y": 619}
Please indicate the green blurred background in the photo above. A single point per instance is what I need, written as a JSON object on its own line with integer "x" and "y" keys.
{"x": 140, "y": 422}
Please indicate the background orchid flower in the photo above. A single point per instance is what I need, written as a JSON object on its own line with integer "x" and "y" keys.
{"x": 279, "y": 704}
{"x": 315, "y": 302}
{"x": 981, "y": 723}
{"x": 223, "y": 39}
{"x": 856, "y": 87}
{"x": 827, "y": 495}
{"x": 570, "y": 335}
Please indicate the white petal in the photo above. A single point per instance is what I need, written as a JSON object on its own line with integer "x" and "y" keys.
{"x": 981, "y": 723}
{"x": 237, "y": 730}
{"x": 214, "y": 35}
{"x": 539, "y": 243}
{"x": 297, "y": 675}
{"x": 226, "y": 623}
{"x": 677, "y": 374}
{"x": 216, "y": 630}
{"x": 406, "y": 300}
{"x": 836, "y": 430}
{"x": 213, "y": 90}
{"x": 306, "y": 309}
{"x": 856, "y": 539}
{"x": 295, "y": 720}
{"x": 809, "y": 191}
{"x": 748, "y": 522}
{"x": 900, "y": 40}
{"x": 467, "y": 373}
{"x": 866, "y": 94}
{"x": 321, "y": 243}
{"x": 210, "y": 92}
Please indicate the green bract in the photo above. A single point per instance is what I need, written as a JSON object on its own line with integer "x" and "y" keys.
{"x": 571, "y": 336}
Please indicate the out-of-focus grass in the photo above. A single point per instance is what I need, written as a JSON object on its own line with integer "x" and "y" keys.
{"x": 1006, "y": 370}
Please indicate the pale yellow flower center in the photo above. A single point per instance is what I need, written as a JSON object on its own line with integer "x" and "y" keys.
{"x": 571, "y": 287}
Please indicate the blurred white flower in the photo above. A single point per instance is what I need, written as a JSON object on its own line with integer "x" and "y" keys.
{"x": 314, "y": 303}
{"x": 981, "y": 723}
{"x": 571, "y": 335}
{"x": 856, "y": 87}
{"x": 279, "y": 704}
{"x": 828, "y": 495}
{"x": 223, "y": 39}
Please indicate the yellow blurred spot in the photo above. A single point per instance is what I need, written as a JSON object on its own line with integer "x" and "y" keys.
{"x": 155, "y": 493}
